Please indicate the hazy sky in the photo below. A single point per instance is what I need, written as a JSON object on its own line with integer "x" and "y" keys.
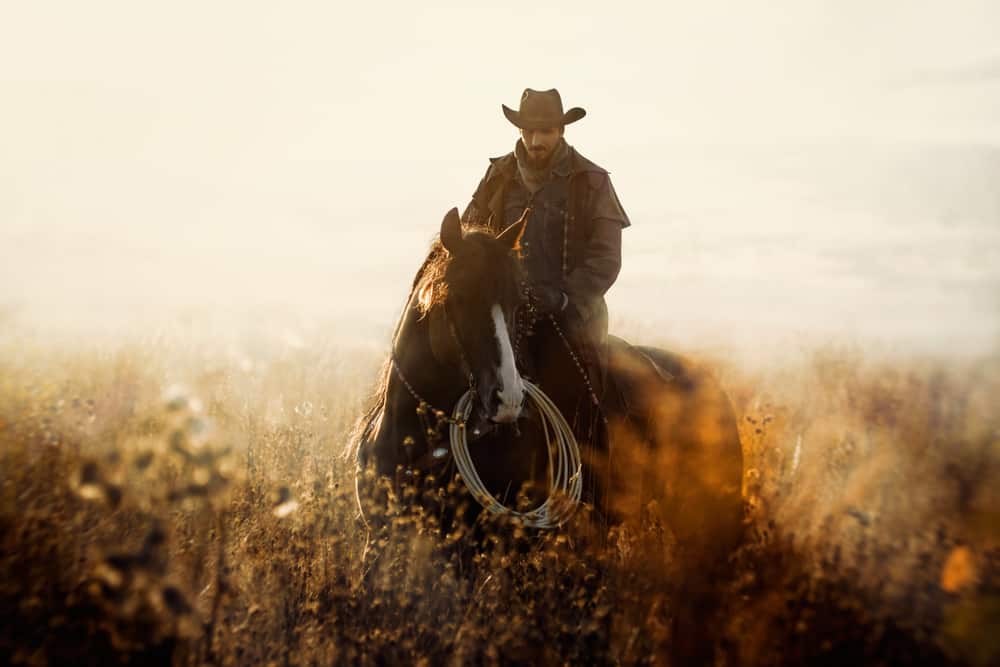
{"x": 300, "y": 155}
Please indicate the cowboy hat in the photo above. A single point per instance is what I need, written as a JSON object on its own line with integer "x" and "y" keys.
{"x": 541, "y": 109}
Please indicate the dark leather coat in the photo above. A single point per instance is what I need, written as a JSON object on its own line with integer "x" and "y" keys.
{"x": 573, "y": 237}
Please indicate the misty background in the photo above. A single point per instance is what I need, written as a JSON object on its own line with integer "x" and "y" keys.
{"x": 793, "y": 170}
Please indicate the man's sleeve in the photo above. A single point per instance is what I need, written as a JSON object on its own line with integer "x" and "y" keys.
{"x": 607, "y": 206}
{"x": 476, "y": 214}
{"x": 602, "y": 257}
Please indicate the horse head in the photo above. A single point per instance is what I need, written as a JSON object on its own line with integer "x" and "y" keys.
{"x": 482, "y": 282}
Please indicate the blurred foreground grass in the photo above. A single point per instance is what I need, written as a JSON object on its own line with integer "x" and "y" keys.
{"x": 178, "y": 503}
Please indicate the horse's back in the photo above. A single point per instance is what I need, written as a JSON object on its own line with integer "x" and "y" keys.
{"x": 674, "y": 440}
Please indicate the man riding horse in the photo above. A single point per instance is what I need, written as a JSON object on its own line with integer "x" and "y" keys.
{"x": 571, "y": 245}
{"x": 658, "y": 437}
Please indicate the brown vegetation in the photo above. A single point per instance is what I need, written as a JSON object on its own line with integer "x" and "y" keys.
{"x": 146, "y": 523}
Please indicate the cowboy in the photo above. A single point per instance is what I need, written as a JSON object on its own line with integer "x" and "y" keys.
{"x": 571, "y": 247}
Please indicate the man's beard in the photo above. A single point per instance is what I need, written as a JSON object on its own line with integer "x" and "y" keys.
{"x": 538, "y": 160}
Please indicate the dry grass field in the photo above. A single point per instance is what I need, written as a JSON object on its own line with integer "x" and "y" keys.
{"x": 169, "y": 502}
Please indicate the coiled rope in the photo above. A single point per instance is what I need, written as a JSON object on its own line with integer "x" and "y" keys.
{"x": 565, "y": 484}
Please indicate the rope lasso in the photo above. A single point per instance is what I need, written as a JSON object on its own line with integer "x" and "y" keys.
{"x": 565, "y": 464}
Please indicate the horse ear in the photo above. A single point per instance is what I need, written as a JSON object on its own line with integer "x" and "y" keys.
{"x": 451, "y": 232}
{"x": 512, "y": 235}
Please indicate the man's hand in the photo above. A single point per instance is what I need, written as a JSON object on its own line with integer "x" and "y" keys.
{"x": 548, "y": 299}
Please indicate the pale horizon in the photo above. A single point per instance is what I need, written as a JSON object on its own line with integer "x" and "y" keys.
{"x": 791, "y": 169}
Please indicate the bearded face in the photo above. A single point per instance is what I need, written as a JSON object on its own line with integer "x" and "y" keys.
{"x": 540, "y": 144}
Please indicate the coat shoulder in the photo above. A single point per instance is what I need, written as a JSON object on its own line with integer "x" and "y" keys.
{"x": 594, "y": 175}
{"x": 504, "y": 164}
{"x": 580, "y": 164}
{"x": 485, "y": 200}
{"x": 509, "y": 157}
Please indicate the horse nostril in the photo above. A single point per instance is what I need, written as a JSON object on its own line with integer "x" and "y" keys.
{"x": 509, "y": 400}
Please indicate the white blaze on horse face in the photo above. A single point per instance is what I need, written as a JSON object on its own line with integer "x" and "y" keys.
{"x": 512, "y": 394}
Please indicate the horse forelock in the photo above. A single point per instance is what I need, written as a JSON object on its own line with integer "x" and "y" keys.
{"x": 429, "y": 287}
{"x": 485, "y": 267}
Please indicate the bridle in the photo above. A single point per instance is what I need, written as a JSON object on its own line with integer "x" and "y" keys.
{"x": 434, "y": 420}
{"x": 565, "y": 462}
{"x": 525, "y": 317}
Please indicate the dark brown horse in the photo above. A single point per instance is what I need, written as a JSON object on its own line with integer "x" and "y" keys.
{"x": 664, "y": 432}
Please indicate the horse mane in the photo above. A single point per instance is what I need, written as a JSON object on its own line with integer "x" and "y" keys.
{"x": 429, "y": 286}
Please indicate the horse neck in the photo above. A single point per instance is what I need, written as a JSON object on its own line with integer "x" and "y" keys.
{"x": 439, "y": 382}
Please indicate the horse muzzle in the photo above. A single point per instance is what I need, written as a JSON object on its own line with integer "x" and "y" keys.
{"x": 498, "y": 405}
{"x": 506, "y": 405}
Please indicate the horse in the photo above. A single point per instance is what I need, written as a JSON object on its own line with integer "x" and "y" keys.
{"x": 663, "y": 437}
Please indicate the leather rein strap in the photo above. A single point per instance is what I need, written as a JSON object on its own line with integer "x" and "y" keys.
{"x": 433, "y": 419}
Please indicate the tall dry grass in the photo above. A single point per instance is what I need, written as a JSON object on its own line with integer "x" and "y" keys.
{"x": 179, "y": 503}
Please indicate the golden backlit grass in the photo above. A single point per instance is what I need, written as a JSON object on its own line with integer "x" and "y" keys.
{"x": 181, "y": 503}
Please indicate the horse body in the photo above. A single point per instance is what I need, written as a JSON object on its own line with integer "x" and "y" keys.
{"x": 675, "y": 442}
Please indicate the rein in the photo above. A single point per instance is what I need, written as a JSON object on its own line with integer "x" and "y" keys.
{"x": 433, "y": 430}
